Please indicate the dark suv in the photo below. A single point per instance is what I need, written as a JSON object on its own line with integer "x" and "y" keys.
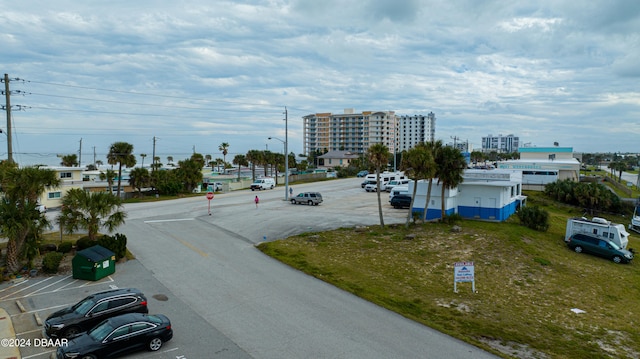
{"x": 93, "y": 309}
{"x": 600, "y": 247}
{"x": 401, "y": 201}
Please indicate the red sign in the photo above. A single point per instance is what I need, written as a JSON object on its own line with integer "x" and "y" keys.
{"x": 209, "y": 196}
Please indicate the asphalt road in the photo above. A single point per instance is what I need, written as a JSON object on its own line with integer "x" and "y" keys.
{"x": 269, "y": 310}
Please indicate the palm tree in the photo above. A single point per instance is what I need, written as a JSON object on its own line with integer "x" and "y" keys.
{"x": 435, "y": 147}
{"x": 417, "y": 163}
{"x": 379, "y": 156}
{"x": 169, "y": 160}
{"x": 224, "y": 148}
{"x": 138, "y": 178}
{"x": 69, "y": 160}
{"x": 208, "y": 161}
{"x": 90, "y": 211}
{"x": 109, "y": 176}
{"x": 253, "y": 157}
{"x": 240, "y": 160}
{"x": 451, "y": 165}
{"x": 121, "y": 153}
{"x": 20, "y": 222}
{"x": 143, "y": 155}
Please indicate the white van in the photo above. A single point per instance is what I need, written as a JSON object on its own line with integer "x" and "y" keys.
{"x": 397, "y": 182}
{"x": 398, "y": 190}
{"x": 263, "y": 183}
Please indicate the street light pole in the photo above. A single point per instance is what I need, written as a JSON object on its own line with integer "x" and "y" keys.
{"x": 286, "y": 154}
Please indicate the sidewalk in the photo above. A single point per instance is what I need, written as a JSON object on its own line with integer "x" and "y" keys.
{"x": 8, "y": 350}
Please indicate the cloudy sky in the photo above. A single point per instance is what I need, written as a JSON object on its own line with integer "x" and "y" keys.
{"x": 194, "y": 74}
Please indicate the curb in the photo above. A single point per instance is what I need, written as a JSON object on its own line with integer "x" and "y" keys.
{"x": 7, "y": 332}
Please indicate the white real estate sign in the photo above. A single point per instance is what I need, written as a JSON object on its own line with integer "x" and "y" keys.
{"x": 463, "y": 272}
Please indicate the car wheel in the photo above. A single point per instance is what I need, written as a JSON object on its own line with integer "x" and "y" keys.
{"x": 155, "y": 344}
{"x": 310, "y": 203}
{"x": 293, "y": 201}
{"x": 578, "y": 249}
{"x": 71, "y": 332}
{"x": 617, "y": 259}
{"x": 88, "y": 356}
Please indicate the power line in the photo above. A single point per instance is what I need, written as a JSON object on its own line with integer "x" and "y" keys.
{"x": 156, "y": 95}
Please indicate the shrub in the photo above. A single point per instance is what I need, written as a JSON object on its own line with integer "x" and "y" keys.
{"x": 452, "y": 218}
{"x": 51, "y": 262}
{"x": 65, "y": 247}
{"x": 84, "y": 243}
{"x": 117, "y": 244}
{"x": 534, "y": 217}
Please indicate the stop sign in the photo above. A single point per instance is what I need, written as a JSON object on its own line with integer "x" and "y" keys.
{"x": 209, "y": 195}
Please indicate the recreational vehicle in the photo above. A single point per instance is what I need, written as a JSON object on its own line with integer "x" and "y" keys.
{"x": 598, "y": 227}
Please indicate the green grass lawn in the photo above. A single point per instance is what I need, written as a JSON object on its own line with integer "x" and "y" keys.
{"x": 527, "y": 282}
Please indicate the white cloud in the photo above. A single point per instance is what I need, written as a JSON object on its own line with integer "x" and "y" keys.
{"x": 205, "y": 72}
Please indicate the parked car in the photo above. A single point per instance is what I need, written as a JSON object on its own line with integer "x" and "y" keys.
{"x": 366, "y": 182}
{"x": 119, "y": 335}
{"x": 401, "y": 201}
{"x": 310, "y": 198}
{"x": 263, "y": 183}
{"x": 93, "y": 309}
{"x": 399, "y": 182}
{"x": 362, "y": 173}
{"x": 373, "y": 187}
{"x": 600, "y": 247}
{"x": 41, "y": 208}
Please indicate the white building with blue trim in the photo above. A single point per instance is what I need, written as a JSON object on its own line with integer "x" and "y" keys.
{"x": 492, "y": 195}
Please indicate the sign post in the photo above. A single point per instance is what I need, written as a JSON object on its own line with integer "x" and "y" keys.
{"x": 209, "y": 197}
{"x": 463, "y": 272}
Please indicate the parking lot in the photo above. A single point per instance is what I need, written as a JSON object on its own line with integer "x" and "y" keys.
{"x": 29, "y": 302}
{"x": 228, "y": 300}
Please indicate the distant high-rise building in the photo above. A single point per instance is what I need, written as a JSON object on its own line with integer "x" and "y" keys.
{"x": 500, "y": 143}
{"x": 349, "y": 131}
{"x": 415, "y": 129}
{"x": 356, "y": 132}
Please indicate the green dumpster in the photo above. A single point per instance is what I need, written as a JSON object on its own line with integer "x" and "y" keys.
{"x": 93, "y": 263}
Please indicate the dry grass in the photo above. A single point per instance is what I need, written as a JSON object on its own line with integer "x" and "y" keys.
{"x": 527, "y": 284}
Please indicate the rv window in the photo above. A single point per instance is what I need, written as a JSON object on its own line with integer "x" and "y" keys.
{"x": 611, "y": 235}
{"x": 605, "y": 234}
{"x": 595, "y": 231}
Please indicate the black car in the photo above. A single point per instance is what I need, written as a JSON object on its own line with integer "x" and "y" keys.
{"x": 401, "y": 201}
{"x": 119, "y": 335}
{"x": 92, "y": 310}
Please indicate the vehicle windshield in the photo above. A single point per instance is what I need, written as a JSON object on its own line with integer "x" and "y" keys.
{"x": 84, "y": 306}
{"x": 101, "y": 331}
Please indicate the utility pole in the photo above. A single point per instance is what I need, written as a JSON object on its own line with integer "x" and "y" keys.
{"x": 80, "y": 154}
{"x": 455, "y": 138}
{"x": 7, "y": 94}
{"x": 286, "y": 154}
{"x": 153, "y": 162}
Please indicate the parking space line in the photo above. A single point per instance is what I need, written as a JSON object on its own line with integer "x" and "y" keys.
{"x": 47, "y": 286}
{"x": 23, "y": 289}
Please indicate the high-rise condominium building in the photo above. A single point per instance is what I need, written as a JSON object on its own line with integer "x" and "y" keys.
{"x": 349, "y": 131}
{"x": 415, "y": 129}
{"x": 500, "y": 143}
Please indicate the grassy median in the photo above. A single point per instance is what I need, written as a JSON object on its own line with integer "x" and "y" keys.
{"x": 527, "y": 283}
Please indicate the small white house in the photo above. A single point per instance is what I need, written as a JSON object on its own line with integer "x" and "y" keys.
{"x": 492, "y": 195}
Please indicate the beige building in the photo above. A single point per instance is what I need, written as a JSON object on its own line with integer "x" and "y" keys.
{"x": 70, "y": 177}
{"x": 349, "y": 131}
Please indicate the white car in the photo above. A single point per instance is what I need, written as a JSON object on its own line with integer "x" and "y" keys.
{"x": 41, "y": 208}
{"x": 373, "y": 187}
